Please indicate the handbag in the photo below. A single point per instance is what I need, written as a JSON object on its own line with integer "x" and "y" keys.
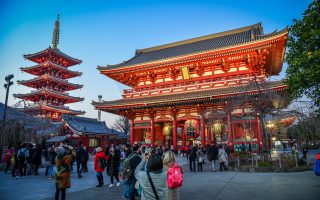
{"x": 153, "y": 188}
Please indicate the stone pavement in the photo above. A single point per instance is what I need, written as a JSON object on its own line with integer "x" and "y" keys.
{"x": 196, "y": 185}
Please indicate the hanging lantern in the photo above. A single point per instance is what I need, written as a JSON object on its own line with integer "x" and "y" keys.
{"x": 217, "y": 127}
{"x": 166, "y": 130}
{"x": 190, "y": 128}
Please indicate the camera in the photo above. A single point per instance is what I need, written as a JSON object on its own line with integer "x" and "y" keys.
{"x": 146, "y": 151}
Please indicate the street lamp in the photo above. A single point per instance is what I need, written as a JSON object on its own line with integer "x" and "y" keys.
{"x": 7, "y": 86}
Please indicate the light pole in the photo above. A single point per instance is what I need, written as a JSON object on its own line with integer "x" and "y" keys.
{"x": 7, "y": 86}
{"x": 99, "y": 111}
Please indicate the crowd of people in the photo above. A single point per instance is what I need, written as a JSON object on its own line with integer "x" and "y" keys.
{"x": 149, "y": 172}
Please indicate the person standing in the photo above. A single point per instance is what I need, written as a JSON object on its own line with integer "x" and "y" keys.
{"x": 192, "y": 158}
{"x": 52, "y": 161}
{"x": 169, "y": 160}
{"x": 99, "y": 165}
{"x": 200, "y": 159}
{"x": 131, "y": 162}
{"x": 223, "y": 158}
{"x": 7, "y": 159}
{"x": 30, "y": 159}
{"x": 212, "y": 155}
{"x": 63, "y": 172}
{"x": 86, "y": 159}
{"x": 114, "y": 163}
{"x": 37, "y": 159}
{"x": 152, "y": 181}
{"x": 80, "y": 158}
{"x": 23, "y": 156}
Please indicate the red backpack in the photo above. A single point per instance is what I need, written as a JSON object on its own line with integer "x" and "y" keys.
{"x": 174, "y": 176}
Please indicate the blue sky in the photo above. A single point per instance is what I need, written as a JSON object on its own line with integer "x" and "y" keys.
{"x": 102, "y": 32}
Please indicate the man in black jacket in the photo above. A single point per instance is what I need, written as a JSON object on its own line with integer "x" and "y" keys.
{"x": 80, "y": 158}
{"x": 212, "y": 155}
{"x": 135, "y": 159}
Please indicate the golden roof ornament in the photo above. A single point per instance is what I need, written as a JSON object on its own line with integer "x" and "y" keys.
{"x": 56, "y": 33}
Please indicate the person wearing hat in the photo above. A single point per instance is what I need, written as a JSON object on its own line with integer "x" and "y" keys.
{"x": 99, "y": 165}
{"x": 63, "y": 171}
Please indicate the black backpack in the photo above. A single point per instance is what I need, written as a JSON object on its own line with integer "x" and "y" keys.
{"x": 22, "y": 155}
{"x": 102, "y": 162}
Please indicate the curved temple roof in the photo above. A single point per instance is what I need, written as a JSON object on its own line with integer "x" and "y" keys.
{"x": 197, "y": 45}
{"x": 165, "y": 99}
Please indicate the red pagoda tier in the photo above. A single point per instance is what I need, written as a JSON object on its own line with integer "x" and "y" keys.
{"x": 212, "y": 88}
{"x": 51, "y": 82}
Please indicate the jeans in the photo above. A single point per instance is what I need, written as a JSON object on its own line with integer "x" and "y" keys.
{"x": 192, "y": 162}
{"x": 214, "y": 165}
{"x": 50, "y": 171}
{"x": 129, "y": 189}
{"x": 80, "y": 168}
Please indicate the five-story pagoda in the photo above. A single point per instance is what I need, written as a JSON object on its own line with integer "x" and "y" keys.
{"x": 51, "y": 82}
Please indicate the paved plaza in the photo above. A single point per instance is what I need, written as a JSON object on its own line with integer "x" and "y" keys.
{"x": 202, "y": 185}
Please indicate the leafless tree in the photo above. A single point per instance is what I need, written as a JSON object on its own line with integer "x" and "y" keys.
{"x": 122, "y": 124}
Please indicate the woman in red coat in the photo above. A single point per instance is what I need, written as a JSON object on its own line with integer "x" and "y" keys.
{"x": 99, "y": 165}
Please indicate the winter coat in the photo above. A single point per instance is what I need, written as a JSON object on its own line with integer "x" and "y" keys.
{"x": 159, "y": 181}
{"x": 193, "y": 154}
{"x": 199, "y": 155}
{"x": 114, "y": 164}
{"x": 37, "y": 156}
{"x": 97, "y": 166}
{"x": 212, "y": 153}
{"x": 223, "y": 157}
{"x": 81, "y": 154}
{"x": 63, "y": 171}
{"x": 52, "y": 156}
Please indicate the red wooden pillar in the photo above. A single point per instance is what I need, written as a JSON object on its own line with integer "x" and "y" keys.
{"x": 209, "y": 134}
{"x": 152, "y": 136}
{"x": 183, "y": 138}
{"x": 202, "y": 134}
{"x": 259, "y": 133}
{"x": 174, "y": 134}
{"x": 230, "y": 139}
{"x": 131, "y": 131}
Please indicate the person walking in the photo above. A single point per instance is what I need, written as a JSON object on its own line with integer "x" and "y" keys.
{"x": 23, "y": 156}
{"x": 114, "y": 164}
{"x": 37, "y": 159}
{"x": 99, "y": 165}
{"x": 169, "y": 160}
{"x": 63, "y": 172}
{"x": 223, "y": 158}
{"x": 200, "y": 159}
{"x": 52, "y": 161}
{"x": 80, "y": 158}
{"x": 212, "y": 155}
{"x": 152, "y": 181}
{"x": 192, "y": 158}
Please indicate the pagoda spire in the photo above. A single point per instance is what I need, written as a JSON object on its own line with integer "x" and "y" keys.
{"x": 56, "y": 33}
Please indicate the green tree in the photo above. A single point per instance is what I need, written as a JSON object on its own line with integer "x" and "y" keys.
{"x": 303, "y": 57}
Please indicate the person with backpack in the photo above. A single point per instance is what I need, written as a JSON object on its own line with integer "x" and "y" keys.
{"x": 99, "y": 165}
{"x": 212, "y": 155}
{"x": 114, "y": 164}
{"x": 223, "y": 158}
{"x": 153, "y": 180}
{"x": 63, "y": 171}
{"x": 129, "y": 165}
{"x": 23, "y": 156}
{"x": 174, "y": 175}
